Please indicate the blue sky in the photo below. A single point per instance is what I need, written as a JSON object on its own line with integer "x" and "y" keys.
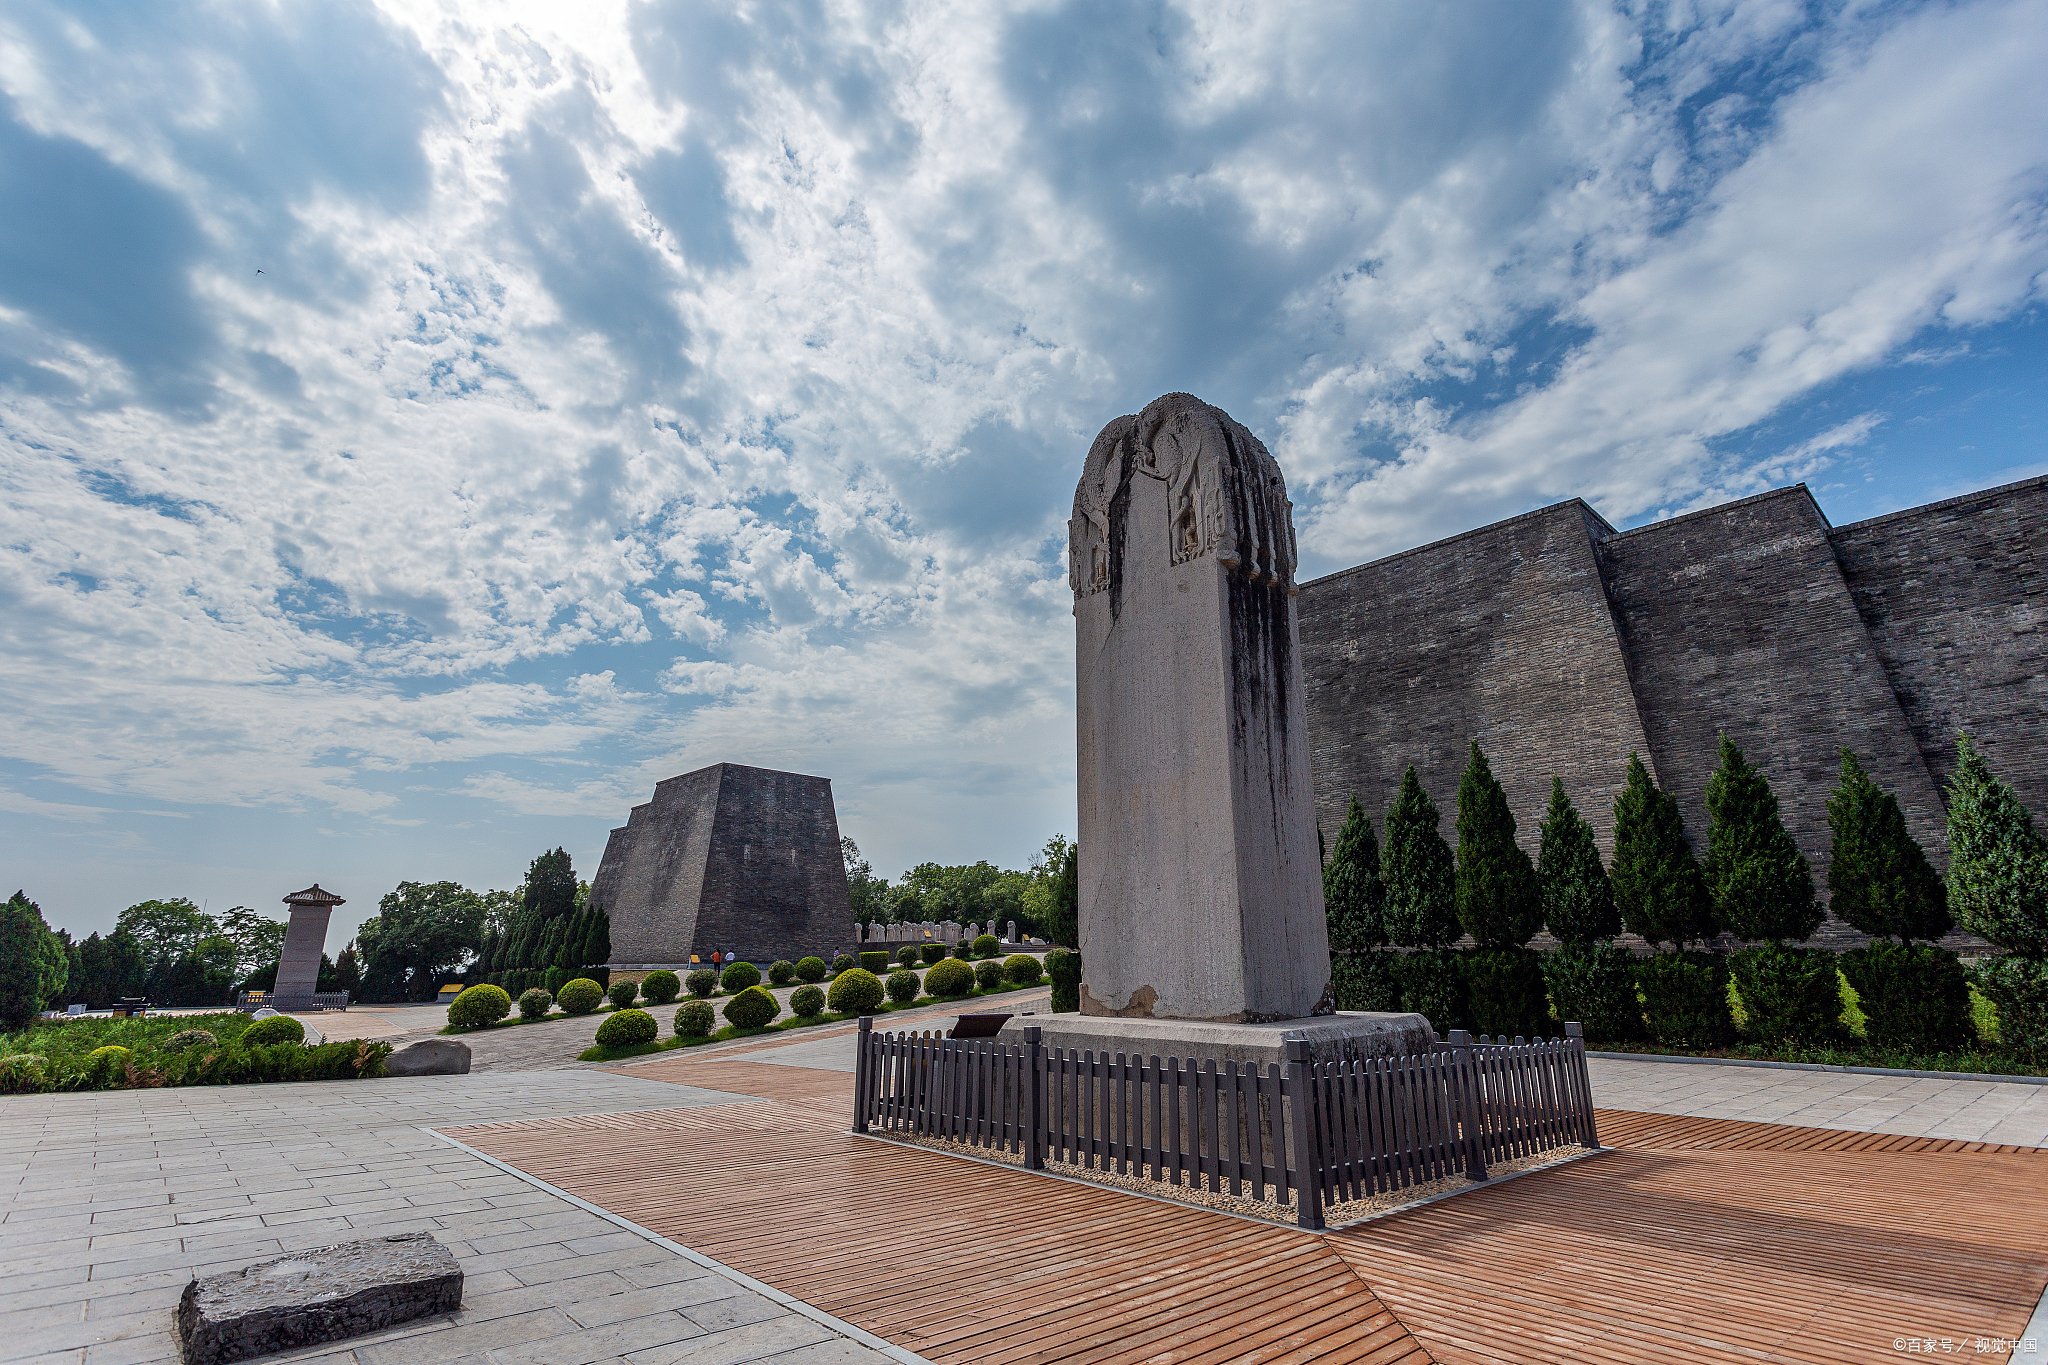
{"x": 630, "y": 387}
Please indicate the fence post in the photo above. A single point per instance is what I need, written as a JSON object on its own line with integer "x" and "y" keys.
{"x": 1470, "y": 1111}
{"x": 1460, "y": 1037}
{"x": 863, "y": 1069}
{"x": 1576, "y": 1032}
{"x": 1034, "y": 1100}
{"x": 1308, "y": 1184}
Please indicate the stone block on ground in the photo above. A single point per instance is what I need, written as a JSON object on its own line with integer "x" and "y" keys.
{"x": 1346, "y": 1036}
{"x": 429, "y": 1057}
{"x": 314, "y": 1296}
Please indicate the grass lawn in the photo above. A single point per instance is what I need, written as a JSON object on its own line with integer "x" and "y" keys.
{"x": 76, "y": 1037}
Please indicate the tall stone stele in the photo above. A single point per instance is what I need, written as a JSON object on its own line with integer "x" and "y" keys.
{"x": 1200, "y": 887}
{"x": 305, "y": 935}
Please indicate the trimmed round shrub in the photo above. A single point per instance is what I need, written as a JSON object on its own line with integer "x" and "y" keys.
{"x": 111, "y": 1050}
{"x": 661, "y": 987}
{"x": 695, "y": 1019}
{"x": 1021, "y": 969}
{"x": 807, "y": 1002}
{"x": 876, "y": 962}
{"x": 813, "y": 968}
{"x": 1505, "y": 990}
{"x": 907, "y": 954}
{"x": 187, "y": 1039}
{"x": 987, "y": 945}
{"x": 627, "y": 1028}
{"x": 1063, "y": 965}
{"x": 963, "y": 950}
{"x": 903, "y": 985}
{"x": 854, "y": 991}
{"x": 1594, "y": 984}
{"x": 932, "y": 952}
{"x": 738, "y": 976}
{"x": 1792, "y": 996}
{"x": 535, "y": 1004}
{"x": 1685, "y": 999}
{"x": 622, "y": 993}
{"x": 702, "y": 982}
{"x": 781, "y": 972}
{"x": 477, "y": 1007}
{"x": 988, "y": 974}
{"x": 843, "y": 962}
{"x": 280, "y": 1028}
{"x": 753, "y": 1007}
{"x": 949, "y": 978}
{"x": 579, "y": 996}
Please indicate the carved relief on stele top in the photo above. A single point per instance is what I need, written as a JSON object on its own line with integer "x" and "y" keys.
{"x": 1225, "y": 495}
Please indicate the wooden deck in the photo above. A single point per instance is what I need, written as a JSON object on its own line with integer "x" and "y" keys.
{"x": 1696, "y": 1240}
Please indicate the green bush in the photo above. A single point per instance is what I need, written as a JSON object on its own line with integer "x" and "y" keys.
{"x": 813, "y": 968}
{"x": 190, "y": 1038}
{"x": 23, "y": 1073}
{"x": 907, "y": 954}
{"x": 661, "y": 987}
{"x": 1791, "y": 996}
{"x": 739, "y": 976}
{"x": 1685, "y": 999}
{"x": 753, "y": 1007}
{"x": 580, "y": 996}
{"x": 855, "y": 991}
{"x": 987, "y": 945}
{"x": 1594, "y": 984}
{"x": 874, "y": 963}
{"x": 702, "y": 982}
{"x": 1914, "y": 997}
{"x": 695, "y": 1019}
{"x": 535, "y": 1004}
{"x": 963, "y": 950}
{"x": 1505, "y": 994}
{"x": 278, "y": 1028}
{"x": 622, "y": 993}
{"x": 1432, "y": 985}
{"x": 1022, "y": 969}
{"x": 843, "y": 962}
{"x": 807, "y": 1002}
{"x": 1365, "y": 981}
{"x": 109, "y": 1051}
{"x": 782, "y": 972}
{"x": 627, "y": 1028}
{"x": 2019, "y": 987}
{"x": 988, "y": 974}
{"x": 479, "y": 1007}
{"x": 902, "y": 985}
{"x": 1063, "y": 965}
{"x": 554, "y": 978}
{"x": 949, "y": 978}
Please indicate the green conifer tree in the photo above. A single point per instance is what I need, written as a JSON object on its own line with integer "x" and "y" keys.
{"x": 1997, "y": 862}
{"x": 1419, "y": 873}
{"x": 1658, "y": 886}
{"x": 1760, "y": 881}
{"x": 1496, "y": 882}
{"x": 33, "y": 962}
{"x": 1879, "y": 879}
{"x": 597, "y": 946}
{"x": 1577, "y": 898}
{"x": 1353, "y": 895}
{"x": 550, "y": 890}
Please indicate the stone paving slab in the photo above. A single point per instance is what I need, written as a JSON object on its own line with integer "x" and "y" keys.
{"x": 203, "y": 1180}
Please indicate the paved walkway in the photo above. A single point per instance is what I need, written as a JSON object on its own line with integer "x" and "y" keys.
{"x": 111, "y": 1201}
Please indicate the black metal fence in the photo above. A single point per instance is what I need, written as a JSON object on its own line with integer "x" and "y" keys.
{"x": 1311, "y": 1133}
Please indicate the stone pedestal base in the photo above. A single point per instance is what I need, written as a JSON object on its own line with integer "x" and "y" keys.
{"x": 1331, "y": 1037}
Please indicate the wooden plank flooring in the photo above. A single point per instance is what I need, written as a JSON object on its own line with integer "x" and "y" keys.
{"x": 1698, "y": 1240}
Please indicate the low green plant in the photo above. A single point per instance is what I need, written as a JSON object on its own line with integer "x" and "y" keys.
{"x": 554, "y": 978}
{"x": 855, "y": 991}
{"x": 695, "y": 1019}
{"x": 661, "y": 987}
{"x": 843, "y": 962}
{"x": 1505, "y": 993}
{"x": 622, "y": 993}
{"x": 753, "y": 1007}
{"x": 580, "y": 996}
{"x": 963, "y": 950}
{"x": 2018, "y": 986}
{"x": 903, "y": 985}
{"x": 190, "y": 1038}
{"x": 813, "y": 968}
{"x": 807, "y": 1002}
{"x": 1022, "y": 969}
{"x": 1791, "y": 996}
{"x": 1365, "y": 981}
{"x": 932, "y": 952}
{"x": 988, "y": 974}
{"x": 535, "y": 1004}
{"x": 1594, "y": 984}
{"x": 781, "y": 972}
{"x": 1913, "y": 997}
{"x": 110, "y": 1051}
{"x": 875, "y": 963}
{"x": 702, "y": 982}
{"x": 477, "y": 1007}
{"x": 1063, "y": 965}
{"x": 1432, "y": 984}
{"x": 1685, "y": 999}
{"x": 949, "y": 979}
{"x": 23, "y": 1073}
{"x": 738, "y": 976}
{"x": 627, "y": 1028}
{"x": 907, "y": 954}
{"x": 278, "y": 1028}
{"x": 987, "y": 945}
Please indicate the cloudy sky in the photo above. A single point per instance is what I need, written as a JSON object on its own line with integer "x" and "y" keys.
{"x": 427, "y": 425}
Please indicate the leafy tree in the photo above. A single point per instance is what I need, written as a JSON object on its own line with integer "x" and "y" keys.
{"x": 1760, "y": 881}
{"x": 167, "y": 930}
{"x": 868, "y": 893}
{"x": 1577, "y": 898}
{"x": 1496, "y": 883}
{"x": 33, "y": 963}
{"x": 108, "y": 969}
{"x": 1354, "y": 898}
{"x": 1062, "y": 921}
{"x": 348, "y": 971}
{"x": 1419, "y": 873}
{"x": 550, "y": 890}
{"x": 1658, "y": 886}
{"x": 204, "y": 974}
{"x": 421, "y": 933}
{"x": 1879, "y": 879}
{"x": 1997, "y": 862}
{"x": 257, "y": 938}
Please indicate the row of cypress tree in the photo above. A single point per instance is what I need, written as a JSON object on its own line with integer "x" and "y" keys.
{"x": 1419, "y": 895}
{"x": 553, "y": 937}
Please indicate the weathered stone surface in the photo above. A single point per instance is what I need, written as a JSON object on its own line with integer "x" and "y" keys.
{"x": 1331, "y": 1037}
{"x": 1200, "y": 892}
{"x": 315, "y": 1296}
{"x": 305, "y": 936}
{"x": 727, "y": 859}
{"x": 430, "y": 1057}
